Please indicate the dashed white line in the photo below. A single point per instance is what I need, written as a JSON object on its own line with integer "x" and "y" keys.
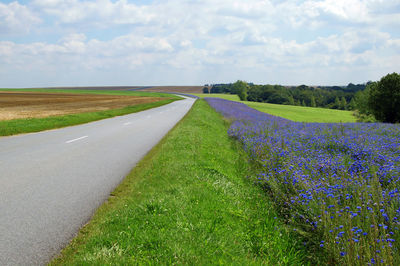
{"x": 127, "y": 123}
{"x": 72, "y": 140}
{"x": 149, "y": 116}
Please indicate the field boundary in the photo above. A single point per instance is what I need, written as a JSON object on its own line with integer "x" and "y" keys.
{"x": 291, "y": 112}
{"x": 29, "y": 125}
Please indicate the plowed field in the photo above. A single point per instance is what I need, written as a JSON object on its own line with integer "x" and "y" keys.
{"x": 14, "y": 105}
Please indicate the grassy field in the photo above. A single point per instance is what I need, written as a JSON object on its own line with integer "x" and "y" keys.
{"x": 104, "y": 92}
{"x": 294, "y": 113}
{"x": 26, "y": 125}
{"x": 187, "y": 202}
{"x": 18, "y": 105}
{"x": 178, "y": 89}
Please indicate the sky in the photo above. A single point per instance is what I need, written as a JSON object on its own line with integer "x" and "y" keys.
{"x": 174, "y": 42}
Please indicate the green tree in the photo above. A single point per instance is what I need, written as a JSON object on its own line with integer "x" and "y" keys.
{"x": 313, "y": 104}
{"x": 361, "y": 108}
{"x": 291, "y": 100}
{"x": 337, "y": 103}
{"x": 206, "y": 90}
{"x": 343, "y": 104}
{"x": 352, "y": 104}
{"x": 240, "y": 88}
{"x": 384, "y": 98}
{"x": 303, "y": 103}
{"x": 361, "y": 100}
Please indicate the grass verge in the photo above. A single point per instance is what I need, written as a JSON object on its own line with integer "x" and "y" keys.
{"x": 294, "y": 113}
{"x": 28, "y": 125}
{"x": 187, "y": 202}
{"x": 18, "y": 126}
{"x": 105, "y": 92}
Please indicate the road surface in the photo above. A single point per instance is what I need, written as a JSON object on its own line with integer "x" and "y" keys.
{"x": 52, "y": 182}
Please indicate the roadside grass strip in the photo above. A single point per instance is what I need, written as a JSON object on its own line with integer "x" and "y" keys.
{"x": 337, "y": 184}
{"x": 104, "y": 92}
{"x": 294, "y": 113}
{"x": 187, "y": 202}
{"x": 28, "y": 125}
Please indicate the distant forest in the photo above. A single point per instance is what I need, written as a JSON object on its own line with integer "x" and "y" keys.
{"x": 333, "y": 97}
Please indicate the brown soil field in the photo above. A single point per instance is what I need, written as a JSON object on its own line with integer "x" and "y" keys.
{"x": 14, "y": 105}
{"x": 178, "y": 89}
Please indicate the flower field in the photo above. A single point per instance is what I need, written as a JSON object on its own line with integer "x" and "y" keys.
{"x": 337, "y": 184}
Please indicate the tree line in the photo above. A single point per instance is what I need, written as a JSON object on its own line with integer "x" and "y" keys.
{"x": 371, "y": 101}
{"x": 334, "y": 97}
{"x": 380, "y": 101}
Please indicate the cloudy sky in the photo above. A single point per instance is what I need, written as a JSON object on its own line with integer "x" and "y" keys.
{"x": 177, "y": 42}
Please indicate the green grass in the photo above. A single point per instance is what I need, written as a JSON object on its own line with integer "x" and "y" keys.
{"x": 230, "y": 97}
{"x": 187, "y": 202}
{"x": 294, "y": 113}
{"x": 27, "y": 125}
{"x": 105, "y": 92}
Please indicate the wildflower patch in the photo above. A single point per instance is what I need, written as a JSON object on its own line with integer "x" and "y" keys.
{"x": 337, "y": 183}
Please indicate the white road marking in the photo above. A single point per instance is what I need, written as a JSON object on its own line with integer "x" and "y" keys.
{"x": 127, "y": 123}
{"x": 149, "y": 116}
{"x": 72, "y": 140}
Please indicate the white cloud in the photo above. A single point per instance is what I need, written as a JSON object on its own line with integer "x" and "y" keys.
{"x": 351, "y": 10}
{"x": 127, "y": 50}
{"x": 253, "y": 40}
{"x": 101, "y": 13}
{"x": 16, "y": 18}
{"x": 395, "y": 44}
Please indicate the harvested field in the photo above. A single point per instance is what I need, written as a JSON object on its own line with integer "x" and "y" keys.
{"x": 15, "y": 105}
{"x": 178, "y": 89}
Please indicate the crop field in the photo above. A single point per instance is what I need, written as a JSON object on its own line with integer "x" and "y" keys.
{"x": 177, "y": 89}
{"x": 95, "y": 88}
{"x": 33, "y": 110}
{"x": 294, "y": 113}
{"x": 337, "y": 184}
{"x": 16, "y": 105}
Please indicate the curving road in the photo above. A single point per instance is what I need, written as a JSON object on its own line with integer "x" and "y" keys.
{"x": 51, "y": 182}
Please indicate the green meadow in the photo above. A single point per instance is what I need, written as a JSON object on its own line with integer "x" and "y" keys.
{"x": 189, "y": 201}
{"x": 294, "y": 113}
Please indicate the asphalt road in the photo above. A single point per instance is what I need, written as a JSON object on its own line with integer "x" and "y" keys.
{"x": 52, "y": 182}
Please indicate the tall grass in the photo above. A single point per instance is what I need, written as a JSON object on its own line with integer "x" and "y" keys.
{"x": 187, "y": 202}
